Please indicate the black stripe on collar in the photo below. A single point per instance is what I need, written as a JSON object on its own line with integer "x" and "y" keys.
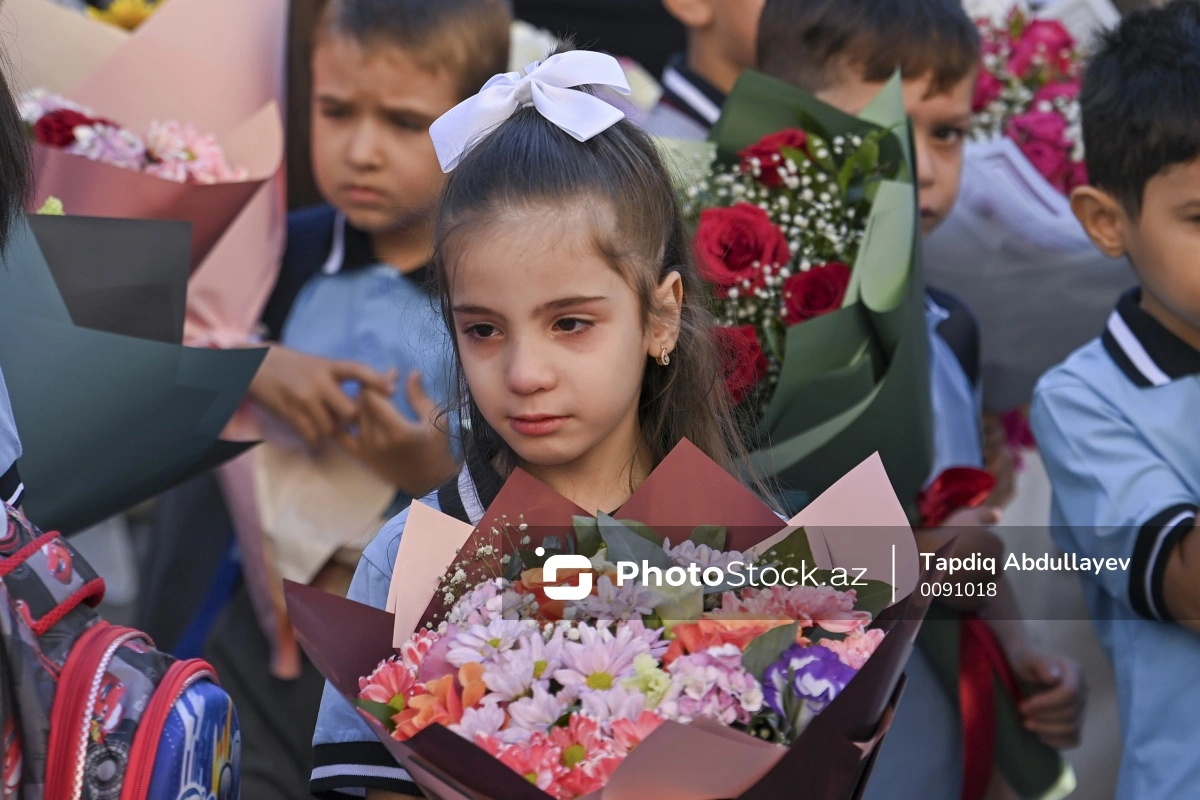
{"x": 685, "y": 91}
{"x": 1148, "y": 353}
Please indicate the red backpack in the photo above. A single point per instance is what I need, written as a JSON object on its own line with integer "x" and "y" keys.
{"x": 89, "y": 710}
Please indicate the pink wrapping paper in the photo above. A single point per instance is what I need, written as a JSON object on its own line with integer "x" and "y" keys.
{"x": 218, "y": 64}
{"x": 700, "y": 761}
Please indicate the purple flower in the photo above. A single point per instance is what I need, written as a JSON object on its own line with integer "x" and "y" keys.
{"x": 813, "y": 674}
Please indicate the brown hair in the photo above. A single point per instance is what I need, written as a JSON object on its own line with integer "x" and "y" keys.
{"x": 470, "y": 37}
{"x": 808, "y": 43}
{"x": 529, "y": 164}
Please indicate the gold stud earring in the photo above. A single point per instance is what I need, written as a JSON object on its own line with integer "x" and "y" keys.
{"x": 664, "y": 359}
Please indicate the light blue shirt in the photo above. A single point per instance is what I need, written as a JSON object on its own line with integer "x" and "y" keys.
{"x": 1116, "y": 425}
{"x": 957, "y": 405}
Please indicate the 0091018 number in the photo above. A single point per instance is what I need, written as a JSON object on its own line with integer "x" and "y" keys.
{"x": 958, "y": 589}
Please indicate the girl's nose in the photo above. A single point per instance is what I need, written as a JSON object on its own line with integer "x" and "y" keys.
{"x": 530, "y": 367}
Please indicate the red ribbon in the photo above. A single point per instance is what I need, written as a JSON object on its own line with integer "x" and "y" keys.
{"x": 955, "y": 488}
{"x": 981, "y": 660}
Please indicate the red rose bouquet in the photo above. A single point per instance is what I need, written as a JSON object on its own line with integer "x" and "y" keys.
{"x": 775, "y": 233}
{"x": 1028, "y": 90}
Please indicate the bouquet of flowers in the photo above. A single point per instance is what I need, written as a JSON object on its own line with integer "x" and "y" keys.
{"x": 667, "y": 650}
{"x": 806, "y": 234}
{"x": 1028, "y": 90}
{"x": 169, "y": 150}
{"x": 775, "y": 235}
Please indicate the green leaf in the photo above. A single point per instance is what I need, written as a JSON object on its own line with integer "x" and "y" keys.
{"x": 766, "y": 649}
{"x": 626, "y": 544}
{"x": 711, "y": 535}
{"x": 792, "y": 551}
{"x": 817, "y": 146}
{"x": 643, "y": 530}
{"x": 875, "y": 596}
{"x": 380, "y": 711}
{"x": 587, "y": 535}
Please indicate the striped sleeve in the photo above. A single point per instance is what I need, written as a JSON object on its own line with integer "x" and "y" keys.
{"x": 1114, "y": 496}
{"x": 348, "y": 759}
{"x": 1151, "y": 552}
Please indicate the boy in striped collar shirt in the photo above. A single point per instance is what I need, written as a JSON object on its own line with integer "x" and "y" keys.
{"x": 1112, "y": 421}
{"x": 720, "y": 46}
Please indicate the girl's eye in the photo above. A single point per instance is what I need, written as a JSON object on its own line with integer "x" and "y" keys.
{"x": 480, "y": 330}
{"x": 572, "y": 325}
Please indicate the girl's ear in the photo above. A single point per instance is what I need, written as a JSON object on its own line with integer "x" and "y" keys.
{"x": 668, "y": 311}
{"x": 1103, "y": 219}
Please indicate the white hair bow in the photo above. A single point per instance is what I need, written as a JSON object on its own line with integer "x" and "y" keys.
{"x": 546, "y": 85}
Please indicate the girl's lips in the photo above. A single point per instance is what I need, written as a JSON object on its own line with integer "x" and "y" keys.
{"x": 536, "y": 425}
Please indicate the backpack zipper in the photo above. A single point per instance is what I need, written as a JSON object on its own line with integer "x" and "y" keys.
{"x": 179, "y": 678}
{"x": 71, "y": 715}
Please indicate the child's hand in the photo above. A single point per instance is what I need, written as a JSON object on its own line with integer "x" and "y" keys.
{"x": 412, "y": 456}
{"x": 984, "y": 516}
{"x": 1054, "y": 712}
{"x": 306, "y": 391}
{"x": 999, "y": 460}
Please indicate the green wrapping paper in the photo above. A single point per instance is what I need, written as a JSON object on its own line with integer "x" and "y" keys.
{"x": 856, "y": 381}
{"x": 106, "y": 420}
{"x": 853, "y": 382}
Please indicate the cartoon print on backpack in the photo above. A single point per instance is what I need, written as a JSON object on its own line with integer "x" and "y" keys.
{"x": 58, "y": 561}
{"x": 11, "y": 760}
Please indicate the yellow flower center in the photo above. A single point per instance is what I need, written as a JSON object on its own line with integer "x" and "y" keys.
{"x": 398, "y": 703}
{"x": 573, "y": 755}
{"x": 531, "y": 777}
{"x": 538, "y": 668}
{"x": 600, "y": 680}
{"x": 494, "y": 642}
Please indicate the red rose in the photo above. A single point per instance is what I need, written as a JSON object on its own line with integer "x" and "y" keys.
{"x": 987, "y": 88}
{"x": 816, "y": 292}
{"x": 1046, "y": 42}
{"x": 732, "y": 244}
{"x": 744, "y": 360}
{"x": 954, "y": 489}
{"x": 57, "y": 128}
{"x": 767, "y": 151}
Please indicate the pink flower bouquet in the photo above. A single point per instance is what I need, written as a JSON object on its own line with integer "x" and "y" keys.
{"x": 1028, "y": 90}
{"x": 492, "y": 685}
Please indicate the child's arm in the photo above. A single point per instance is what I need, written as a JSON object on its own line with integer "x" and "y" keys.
{"x": 1181, "y": 581}
{"x": 1054, "y": 710}
{"x": 306, "y": 391}
{"x": 412, "y": 456}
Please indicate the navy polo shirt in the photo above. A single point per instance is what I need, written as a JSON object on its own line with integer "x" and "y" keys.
{"x": 1117, "y": 427}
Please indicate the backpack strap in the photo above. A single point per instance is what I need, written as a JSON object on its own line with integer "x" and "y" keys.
{"x": 90, "y": 591}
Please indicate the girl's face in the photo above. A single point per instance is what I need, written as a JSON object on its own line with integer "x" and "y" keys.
{"x": 553, "y": 344}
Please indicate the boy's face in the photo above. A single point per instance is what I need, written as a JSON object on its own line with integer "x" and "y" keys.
{"x": 940, "y": 124}
{"x": 372, "y": 156}
{"x": 1163, "y": 242}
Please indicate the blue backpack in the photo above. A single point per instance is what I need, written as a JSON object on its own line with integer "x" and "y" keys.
{"x": 89, "y": 710}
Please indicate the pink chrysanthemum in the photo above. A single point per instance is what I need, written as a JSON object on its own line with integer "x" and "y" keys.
{"x": 391, "y": 684}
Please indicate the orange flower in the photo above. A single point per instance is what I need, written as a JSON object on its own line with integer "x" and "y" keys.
{"x": 470, "y": 675}
{"x": 698, "y": 636}
{"x": 440, "y": 703}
